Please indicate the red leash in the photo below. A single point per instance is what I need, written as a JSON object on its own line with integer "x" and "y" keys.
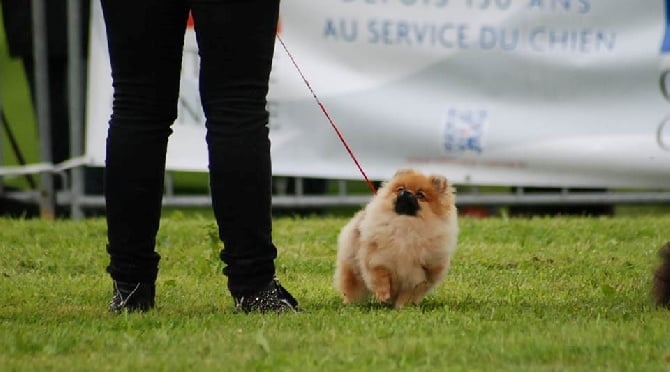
{"x": 325, "y": 112}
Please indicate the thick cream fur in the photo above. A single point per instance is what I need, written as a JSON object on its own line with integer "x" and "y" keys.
{"x": 397, "y": 258}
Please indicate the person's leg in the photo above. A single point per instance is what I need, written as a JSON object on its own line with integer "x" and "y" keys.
{"x": 145, "y": 40}
{"x": 236, "y": 45}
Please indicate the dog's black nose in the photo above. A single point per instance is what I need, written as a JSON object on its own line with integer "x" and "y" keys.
{"x": 406, "y": 203}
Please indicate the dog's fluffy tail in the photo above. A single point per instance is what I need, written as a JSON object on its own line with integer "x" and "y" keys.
{"x": 661, "y": 283}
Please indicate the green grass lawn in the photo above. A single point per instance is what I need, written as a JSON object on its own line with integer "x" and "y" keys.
{"x": 523, "y": 294}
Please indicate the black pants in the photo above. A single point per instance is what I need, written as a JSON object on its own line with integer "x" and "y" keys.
{"x": 236, "y": 45}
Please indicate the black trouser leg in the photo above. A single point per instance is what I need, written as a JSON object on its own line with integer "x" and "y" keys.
{"x": 145, "y": 41}
{"x": 236, "y": 43}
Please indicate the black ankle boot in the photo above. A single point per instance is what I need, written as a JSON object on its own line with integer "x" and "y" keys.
{"x": 132, "y": 297}
{"x": 272, "y": 299}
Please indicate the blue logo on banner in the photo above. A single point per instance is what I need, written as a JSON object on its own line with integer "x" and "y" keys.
{"x": 666, "y": 40}
{"x": 464, "y": 131}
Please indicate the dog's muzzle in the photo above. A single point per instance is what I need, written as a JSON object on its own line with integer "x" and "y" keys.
{"x": 406, "y": 203}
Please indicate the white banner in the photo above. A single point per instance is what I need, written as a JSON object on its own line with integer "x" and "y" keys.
{"x": 559, "y": 93}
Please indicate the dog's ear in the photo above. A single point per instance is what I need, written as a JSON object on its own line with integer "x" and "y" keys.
{"x": 439, "y": 182}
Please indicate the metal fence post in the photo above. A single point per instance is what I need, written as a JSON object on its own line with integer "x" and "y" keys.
{"x": 47, "y": 199}
{"x": 76, "y": 105}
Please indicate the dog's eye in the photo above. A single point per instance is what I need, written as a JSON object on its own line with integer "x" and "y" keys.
{"x": 400, "y": 189}
{"x": 420, "y": 195}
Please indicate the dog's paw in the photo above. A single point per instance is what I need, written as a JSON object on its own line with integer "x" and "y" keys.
{"x": 383, "y": 295}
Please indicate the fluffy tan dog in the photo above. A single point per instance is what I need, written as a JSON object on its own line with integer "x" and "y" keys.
{"x": 400, "y": 245}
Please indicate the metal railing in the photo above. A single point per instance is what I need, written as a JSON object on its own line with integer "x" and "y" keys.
{"x": 342, "y": 198}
